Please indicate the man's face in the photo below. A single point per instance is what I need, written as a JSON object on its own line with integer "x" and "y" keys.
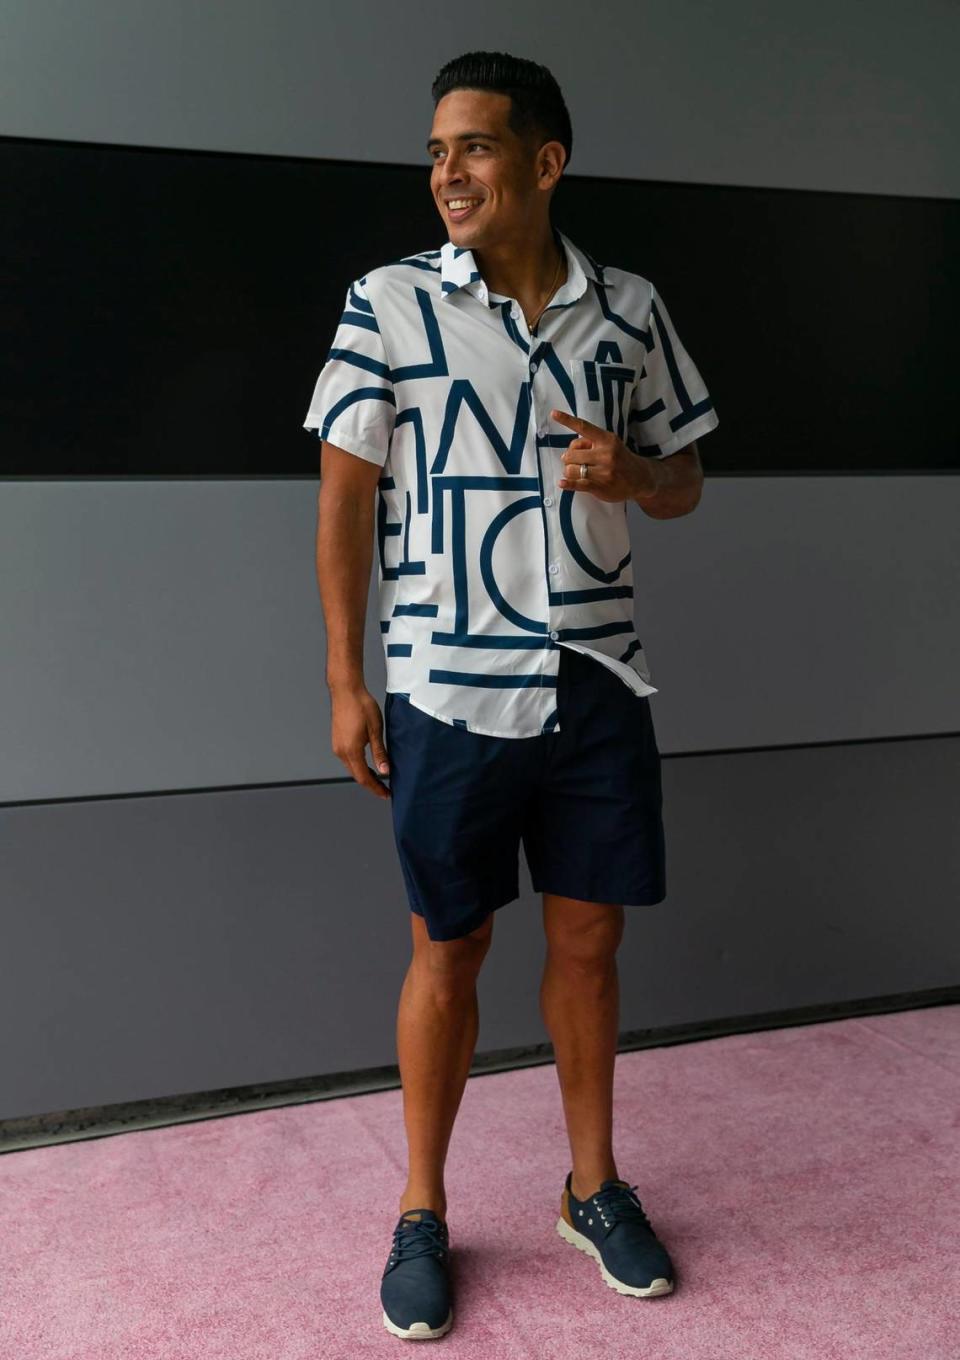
{"x": 491, "y": 164}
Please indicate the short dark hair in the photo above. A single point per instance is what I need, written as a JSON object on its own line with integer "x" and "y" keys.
{"x": 538, "y": 113}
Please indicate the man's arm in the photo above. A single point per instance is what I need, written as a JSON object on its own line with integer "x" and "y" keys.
{"x": 679, "y": 484}
{"x": 345, "y": 521}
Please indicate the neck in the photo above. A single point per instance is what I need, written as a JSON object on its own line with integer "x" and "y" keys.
{"x": 525, "y": 266}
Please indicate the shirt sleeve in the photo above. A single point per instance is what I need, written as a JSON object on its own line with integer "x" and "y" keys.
{"x": 353, "y": 403}
{"x": 670, "y": 405}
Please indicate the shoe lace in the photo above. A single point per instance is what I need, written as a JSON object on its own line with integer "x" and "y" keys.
{"x": 413, "y": 1237}
{"x": 618, "y": 1203}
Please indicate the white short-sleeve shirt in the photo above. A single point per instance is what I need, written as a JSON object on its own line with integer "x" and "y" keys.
{"x": 486, "y": 567}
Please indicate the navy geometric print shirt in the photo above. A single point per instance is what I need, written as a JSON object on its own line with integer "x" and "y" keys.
{"x": 486, "y": 567}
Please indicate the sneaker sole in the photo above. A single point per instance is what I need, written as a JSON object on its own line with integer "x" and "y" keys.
{"x": 420, "y": 1331}
{"x": 576, "y": 1239}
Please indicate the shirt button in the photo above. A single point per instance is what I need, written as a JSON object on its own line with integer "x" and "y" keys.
{"x": 515, "y": 313}
{"x": 548, "y": 500}
{"x": 533, "y": 365}
{"x": 542, "y": 432}
{"x": 553, "y": 568}
{"x": 554, "y": 636}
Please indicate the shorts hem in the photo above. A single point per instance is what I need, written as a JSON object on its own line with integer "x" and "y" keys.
{"x": 475, "y": 919}
{"x": 633, "y": 899}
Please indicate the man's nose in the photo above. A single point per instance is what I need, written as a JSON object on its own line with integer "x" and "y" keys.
{"x": 451, "y": 167}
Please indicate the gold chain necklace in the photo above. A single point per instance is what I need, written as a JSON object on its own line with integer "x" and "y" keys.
{"x": 531, "y": 325}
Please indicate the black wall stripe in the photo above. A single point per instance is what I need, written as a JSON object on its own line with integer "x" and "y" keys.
{"x": 165, "y": 312}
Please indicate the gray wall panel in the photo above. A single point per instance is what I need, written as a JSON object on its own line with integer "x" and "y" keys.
{"x": 162, "y": 946}
{"x": 850, "y": 98}
{"x": 169, "y": 635}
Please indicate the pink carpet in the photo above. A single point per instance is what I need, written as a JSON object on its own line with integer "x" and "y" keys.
{"x": 805, "y": 1181}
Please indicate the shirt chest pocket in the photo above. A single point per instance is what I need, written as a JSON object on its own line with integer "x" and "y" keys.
{"x": 603, "y": 392}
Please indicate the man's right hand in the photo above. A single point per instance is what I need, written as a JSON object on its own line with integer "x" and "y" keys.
{"x": 357, "y": 721}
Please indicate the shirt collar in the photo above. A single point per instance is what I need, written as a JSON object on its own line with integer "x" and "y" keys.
{"x": 458, "y": 269}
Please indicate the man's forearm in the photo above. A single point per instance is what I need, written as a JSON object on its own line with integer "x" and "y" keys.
{"x": 344, "y": 557}
{"x": 677, "y": 489}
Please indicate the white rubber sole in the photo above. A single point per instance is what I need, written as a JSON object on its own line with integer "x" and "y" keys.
{"x": 576, "y": 1239}
{"x": 420, "y": 1331}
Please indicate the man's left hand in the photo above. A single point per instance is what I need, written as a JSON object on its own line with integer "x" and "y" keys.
{"x": 614, "y": 472}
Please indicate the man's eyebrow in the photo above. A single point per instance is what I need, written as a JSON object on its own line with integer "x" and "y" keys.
{"x": 463, "y": 137}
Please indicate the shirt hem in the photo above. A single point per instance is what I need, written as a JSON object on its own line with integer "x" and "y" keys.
{"x": 480, "y": 731}
{"x": 358, "y": 447}
{"x": 702, "y": 425}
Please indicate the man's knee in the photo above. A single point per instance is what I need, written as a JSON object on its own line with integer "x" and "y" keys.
{"x": 582, "y": 935}
{"x": 451, "y": 961}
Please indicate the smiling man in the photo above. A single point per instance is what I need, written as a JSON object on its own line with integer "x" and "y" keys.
{"x": 503, "y": 400}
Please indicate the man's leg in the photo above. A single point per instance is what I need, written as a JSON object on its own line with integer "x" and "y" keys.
{"x": 437, "y": 1024}
{"x": 580, "y": 1005}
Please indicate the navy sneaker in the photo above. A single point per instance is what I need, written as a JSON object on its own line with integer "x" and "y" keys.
{"x": 415, "y": 1285}
{"x": 611, "y": 1227}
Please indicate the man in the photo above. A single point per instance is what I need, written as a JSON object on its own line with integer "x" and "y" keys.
{"x": 506, "y": 399}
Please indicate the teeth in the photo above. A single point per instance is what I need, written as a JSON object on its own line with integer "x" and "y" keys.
{"x": 454, "y": 203}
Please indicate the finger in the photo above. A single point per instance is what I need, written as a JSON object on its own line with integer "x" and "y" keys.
{"x": 378, "y": 750}
{"x": 576, "y": 423}
{"x": 363, "y": 774}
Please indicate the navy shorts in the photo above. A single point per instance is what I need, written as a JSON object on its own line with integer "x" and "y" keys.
{"x": 585, "y": 801}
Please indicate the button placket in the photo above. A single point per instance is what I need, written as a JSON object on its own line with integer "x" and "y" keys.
{"x": 542, "y": 432}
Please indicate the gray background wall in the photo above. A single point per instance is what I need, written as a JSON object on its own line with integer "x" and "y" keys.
{"x": 163, "y": 641}
{"x": 859, "y": 97}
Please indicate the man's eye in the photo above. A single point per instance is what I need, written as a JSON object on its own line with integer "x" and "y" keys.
{"x": 471, "y": 145}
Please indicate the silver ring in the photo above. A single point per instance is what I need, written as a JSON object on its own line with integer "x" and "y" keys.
{"x": 583, "y": 472}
